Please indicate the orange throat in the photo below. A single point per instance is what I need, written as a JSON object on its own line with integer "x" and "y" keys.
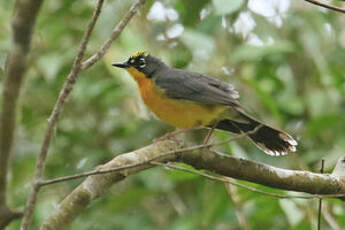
{"x": 178, "y": 113}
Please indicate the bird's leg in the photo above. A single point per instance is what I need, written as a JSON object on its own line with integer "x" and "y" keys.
{"x": 209, "y": 134}
{"x": 173, "y": 133}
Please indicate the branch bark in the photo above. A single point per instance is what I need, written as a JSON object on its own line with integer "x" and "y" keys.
{"x": 327, "y": 6}
{"x": 114, "y": 35}
{"x": 64, "y": 93}
{"x": 94, "y": 186}
{"x": 293, "y": 180}
{"x": 24, "y": 17}
{"x": 54, "y": 117}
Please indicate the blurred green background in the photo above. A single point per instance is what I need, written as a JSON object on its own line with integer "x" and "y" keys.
{"x": 286, "y": 58}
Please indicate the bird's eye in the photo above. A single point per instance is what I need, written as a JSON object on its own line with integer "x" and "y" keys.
{"x": 131, "y": 61}
{"x": 142, "y": 63}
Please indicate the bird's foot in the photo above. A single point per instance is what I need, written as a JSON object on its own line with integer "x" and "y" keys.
{"x": 208, "y": 135}
{"x": 172, "y": 134}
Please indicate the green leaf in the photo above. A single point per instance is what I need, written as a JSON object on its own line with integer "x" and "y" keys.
{"x": 201, "y": 45}
{"x": 292, "y": 212}
{"x": 255, "y": 53}
{"x": 178, "y": 175}
{"x": 224, "y": 7}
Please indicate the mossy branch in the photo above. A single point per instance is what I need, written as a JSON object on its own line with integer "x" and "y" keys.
{"x": 23, "y": 21}
{"x": 170, "y": 150}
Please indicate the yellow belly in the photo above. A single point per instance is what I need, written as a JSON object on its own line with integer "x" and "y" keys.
{"x": 178, "y": 113}
{"x": 181, "y": 113}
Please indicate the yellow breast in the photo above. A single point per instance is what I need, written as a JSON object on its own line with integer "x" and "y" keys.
{"x": 178, "y": 113}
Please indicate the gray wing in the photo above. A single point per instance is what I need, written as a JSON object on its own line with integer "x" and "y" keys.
{"x": 181, "y": 84}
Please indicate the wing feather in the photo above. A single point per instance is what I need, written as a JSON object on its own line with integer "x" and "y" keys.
{"x": 181, "y": 84}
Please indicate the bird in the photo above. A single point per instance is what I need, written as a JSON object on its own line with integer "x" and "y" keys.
{"x": 187, "y": 100}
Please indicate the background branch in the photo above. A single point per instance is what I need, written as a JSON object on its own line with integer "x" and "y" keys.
{"x": 54, "y": 117}
{"x": 226, "y": 165}
{"x": 329, "y": 218}
{"x": 114, "y": 35}
{"x": 327, "y": 6}
{"x": 65, "y": 92}
{"x": 23, "y": 22}
{"x": 234, "y": 196}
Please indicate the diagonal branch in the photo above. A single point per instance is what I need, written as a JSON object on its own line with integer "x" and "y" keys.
{"x": 234, "y": 196}
{"x": 109, "y": 170}
{"x": 24, "y": 17}
{"x": 293, "y": 180}
{"x": 64, "y": 93}
{"x": 7, "y": 216}
{"x": 95, "y": 186}
{"x": 327, "y": 6}
{"x": 114, "y": 35}
{"x": 229, "y": 181}
{"x": 169, "y": 150}
{"x": 54, "y": 117}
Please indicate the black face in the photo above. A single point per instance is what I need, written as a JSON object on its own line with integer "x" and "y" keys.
{"x": 144, "y": 63}
{"x": 138, "y": 61}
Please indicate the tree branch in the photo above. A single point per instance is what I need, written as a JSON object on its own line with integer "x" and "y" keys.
{"x": 232, "y": 191}
{"x": 169, "y": 150}
{"x": 114, "y": 35}
{"x": 23, "y": 22}
{"x": 229, "y": 181}
{"x": 327, "y": 6}
{"x": 102, "y": 171}
{"x": 96, "y": 185}
{"x": 293, "y": 180}
{"x": 8, "y": 215}
{"x": 54, "y": 117}
{"x": 330, "y": 219}
{"x": 64, "y": 93}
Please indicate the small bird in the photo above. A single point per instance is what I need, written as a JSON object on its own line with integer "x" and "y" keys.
{"x": 187, "y": 99}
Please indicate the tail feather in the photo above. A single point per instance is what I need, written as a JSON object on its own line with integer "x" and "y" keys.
{"x": 271, "y": 141}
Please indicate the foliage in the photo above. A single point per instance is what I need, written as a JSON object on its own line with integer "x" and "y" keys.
{"x": 286, "y": 60}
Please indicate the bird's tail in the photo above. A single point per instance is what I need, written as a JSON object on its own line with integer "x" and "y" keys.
{"x": 271, "y": 141}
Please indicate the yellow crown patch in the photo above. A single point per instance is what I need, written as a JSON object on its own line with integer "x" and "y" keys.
{"x": 139, "y": 54}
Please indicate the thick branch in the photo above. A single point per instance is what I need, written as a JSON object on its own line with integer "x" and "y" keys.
{"x": 170, "y": 150}
{"x": 23, "y": 23}
{"x": 94, "y": 186}
{"x": 294, "y": 180}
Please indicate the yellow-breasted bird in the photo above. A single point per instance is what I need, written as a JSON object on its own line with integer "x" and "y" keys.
{"x": 186, "y": 99}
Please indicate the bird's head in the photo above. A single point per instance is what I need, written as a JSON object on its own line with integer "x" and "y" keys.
{"x": 141, "y": 63}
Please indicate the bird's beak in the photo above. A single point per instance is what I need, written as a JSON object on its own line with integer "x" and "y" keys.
{"x": 122, "y": 65}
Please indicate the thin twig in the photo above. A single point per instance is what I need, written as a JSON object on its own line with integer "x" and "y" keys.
{"x": 209, "y": 133}
{"x": 320, "y": 200}
{"x": 90, "y": 173}
{"x": 329, "y": 218}
{"x": 116, "y": 32}
{"x": 54, "y": 117}
{"x": 232, "y": 191}
{"x": 325, "y": 5}
{"x": 98, "y": 171}
{"x": 221, "y": 179}
{"x": 7, "y": 216}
